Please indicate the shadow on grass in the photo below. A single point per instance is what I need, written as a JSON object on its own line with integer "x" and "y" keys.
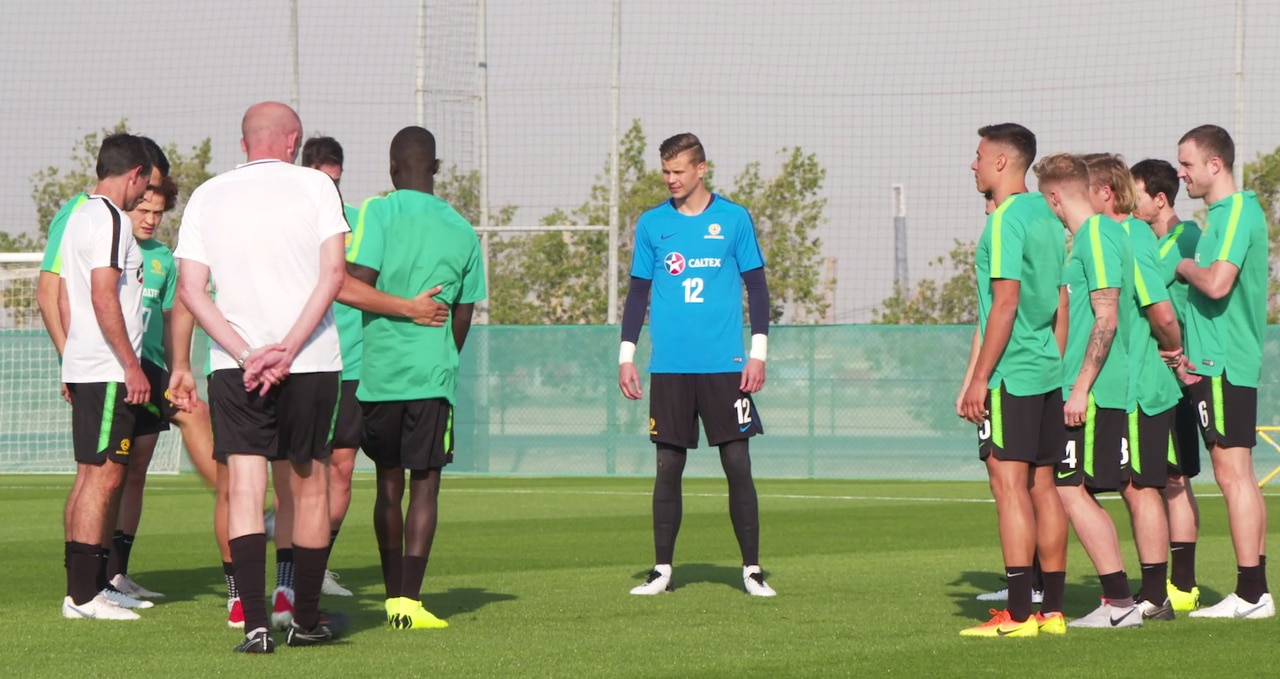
{"x": 1079, "y": 598}
{"x": 367, "y": 609}
{"x": 693, "y": 573}
{"x": 182, "y": 585}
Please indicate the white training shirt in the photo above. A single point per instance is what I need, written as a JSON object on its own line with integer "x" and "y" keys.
{"x": 259, "y": 228}
{"x": 99, "y": 235}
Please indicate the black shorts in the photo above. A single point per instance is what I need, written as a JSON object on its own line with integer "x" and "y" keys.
{"x": 677, "y": 400}
{"x": 1227, "y": 414}
{"x": 101, "y": 422}
{"x": 415, "y": 435}
{"x": 1023, "y": 428}
{"x": 1095, "y": 453}
{"x": 154, "y": 415}
{"x": 350, "y": 426}
{"x": 1150, "y": 448}
{"x": 293, "y": 422}
{"x": 1186, "y": 437}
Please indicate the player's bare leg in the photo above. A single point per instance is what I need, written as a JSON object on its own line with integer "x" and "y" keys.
{"x": 247, "y": 488}
{"x": 388, "y": 527}
{"x": 1094, "y": 528}
{"x": 309, "y": 483}
{"x": 1246, "y": 511}
{"x": 130, "y": 515}
{"x": 342, "y": 465}
{"x": 1051, "y": 537}
{"x": 1184, "y": 531}
{"x": 1009, "y": 481}
{"x": 197, "y": 436}
{"x": 282, "y": 598}
{"x": 1151, "y": 535}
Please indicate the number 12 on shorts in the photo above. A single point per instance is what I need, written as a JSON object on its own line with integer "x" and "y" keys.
{"x": 742, "y": 407}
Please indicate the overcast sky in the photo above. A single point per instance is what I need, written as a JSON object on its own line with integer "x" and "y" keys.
{"x": 883, "y": 93}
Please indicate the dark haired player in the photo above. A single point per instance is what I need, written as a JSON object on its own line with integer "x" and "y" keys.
{"x": 695, "y": 253}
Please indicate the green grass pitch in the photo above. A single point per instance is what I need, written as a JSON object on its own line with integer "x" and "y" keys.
{"x": 874, "y": 579}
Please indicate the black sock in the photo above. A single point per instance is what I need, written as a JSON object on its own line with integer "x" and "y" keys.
{"x": 333, "y": 537}
{"x": 83, "y": 564}
{"x": 1019, "y": 578}
{"x": 229, "y": 572}
{"x": 1251, "y": 583}
{"x": 392, "y": 567}
{"x": 249, "y": 554}
{"x": 1153, "y": 582}
{"x": 1183, "y": 565}
{"x": 122, "y": 545}
{"x": 309, "y": 575}
{"x": 1115, "y": 587}
{"x": 104, "y": 559}
{"x": 66, "y": 555}
{"x": 284, "y": 568}
{"x": 414, "y": 570}
{"x": 1055, "y": 585}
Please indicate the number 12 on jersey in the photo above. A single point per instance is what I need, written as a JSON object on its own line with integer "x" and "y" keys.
{"x": 692, "y": 290}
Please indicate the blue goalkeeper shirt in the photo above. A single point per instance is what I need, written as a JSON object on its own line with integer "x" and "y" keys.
{"x": 696, "y": 265}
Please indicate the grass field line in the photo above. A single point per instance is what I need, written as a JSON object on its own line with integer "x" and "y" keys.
{"x": 629, "y": 493}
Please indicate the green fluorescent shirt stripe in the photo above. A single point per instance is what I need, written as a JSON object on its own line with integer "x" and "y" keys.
{"x": 1099, "y": 266}
{"x": 358, "y": 237}
{"x": 1173, "y": 240}
{"x": 997, "y": 221}
{"x": 1237, "y": 202}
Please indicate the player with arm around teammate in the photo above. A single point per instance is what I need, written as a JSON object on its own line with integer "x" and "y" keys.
{"x": 694, "y": 253}
{"x": 412, "y": 240}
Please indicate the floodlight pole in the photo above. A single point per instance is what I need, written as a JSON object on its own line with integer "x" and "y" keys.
{"x": 611, "y": 317}
{"x": 900, "y": 275}
{"x": 294, "y": 90}
{"x": 1237, "y": 132}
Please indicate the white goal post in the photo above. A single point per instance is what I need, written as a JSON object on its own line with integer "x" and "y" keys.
{"x": 35, "y": 423}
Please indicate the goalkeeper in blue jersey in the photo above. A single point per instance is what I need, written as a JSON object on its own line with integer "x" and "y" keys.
{"x": 694, "y": 253}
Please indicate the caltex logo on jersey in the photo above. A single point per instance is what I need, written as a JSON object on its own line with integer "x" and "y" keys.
{"x": 674, "y": 263}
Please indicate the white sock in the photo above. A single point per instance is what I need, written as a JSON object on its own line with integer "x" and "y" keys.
{"x": 748, "y": 571}
{"x": 663, "y": 568}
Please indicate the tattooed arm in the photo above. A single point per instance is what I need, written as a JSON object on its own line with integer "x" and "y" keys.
{"x": 1105, "y": 303}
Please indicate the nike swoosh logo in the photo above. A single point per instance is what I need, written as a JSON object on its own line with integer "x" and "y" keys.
{"x": 1245, "y": 614}
{"x": 1065, "y": 475}
{"x": 1116, "y": 621}
{"x": 1005, "y": 633}
{"x": 667, "y": 235}
{"x": 743, "y": 429}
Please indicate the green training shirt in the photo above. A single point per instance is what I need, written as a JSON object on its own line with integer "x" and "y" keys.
{"x": 52, "y": 261}
{"x": 1024, "y": 241}
{"x": 1176, "y": 245}
{"x": 1152, "y": 385}
{"x": 350, "y": 320}
{"x": 1101, "y": 258}
{"x": 159, "y": 287}
{"x": 1225, "y": 336}
{"x": 414, "y": 241}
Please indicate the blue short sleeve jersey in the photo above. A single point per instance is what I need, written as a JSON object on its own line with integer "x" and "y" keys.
{"x": 696, "y": 265}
